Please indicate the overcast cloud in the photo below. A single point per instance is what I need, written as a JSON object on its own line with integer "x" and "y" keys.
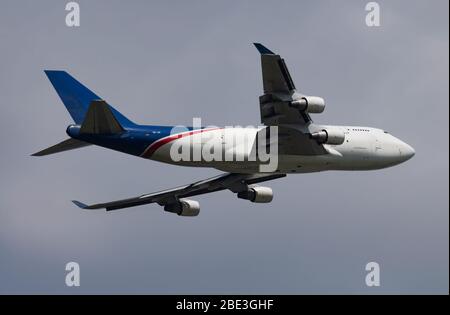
{"x": 169, "y": 61}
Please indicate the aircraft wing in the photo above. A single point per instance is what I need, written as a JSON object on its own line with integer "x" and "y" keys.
{"x": 277, "y": 110}
{"x": 232, "y": 181}
{"x": 279, "y": 91}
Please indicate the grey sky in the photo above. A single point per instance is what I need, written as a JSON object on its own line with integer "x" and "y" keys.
{"x": 166, "y": 62}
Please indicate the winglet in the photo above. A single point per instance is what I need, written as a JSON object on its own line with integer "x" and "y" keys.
{"x": 80, "y": 204}
{"x": 263, "y": 50}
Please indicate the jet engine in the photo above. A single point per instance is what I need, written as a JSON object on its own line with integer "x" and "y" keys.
{"x": 329, "y": 136}
{"x": 184, "y": 207}
{"x": 257, "y": 194}
{"x": 310, "y": 104}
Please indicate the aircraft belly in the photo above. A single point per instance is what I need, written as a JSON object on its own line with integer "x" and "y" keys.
{"x": 285, "y": 163}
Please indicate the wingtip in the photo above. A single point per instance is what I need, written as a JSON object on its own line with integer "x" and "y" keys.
{"x": 37, "y": 154}
{"x": 79, "y": 204}
{"x": 50, "y": 73}
{"x": 54, "y": 70}
{"x": 263, "y": 50}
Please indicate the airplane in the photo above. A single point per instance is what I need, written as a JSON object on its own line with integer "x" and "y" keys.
{"x": 302, "y": 146}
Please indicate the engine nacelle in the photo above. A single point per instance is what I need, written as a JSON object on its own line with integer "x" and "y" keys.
{"x": 330, "y": 136}
{"x": 184, "y": 207}
{"x": 257, "y": 194}
{"x": 310, "y": 104}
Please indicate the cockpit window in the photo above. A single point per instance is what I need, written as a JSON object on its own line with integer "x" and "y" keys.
{"x": 386, "y": 132}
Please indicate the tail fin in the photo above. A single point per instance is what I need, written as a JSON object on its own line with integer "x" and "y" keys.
{"x": 100, "y": 120}
{"x": 77, "y": 98}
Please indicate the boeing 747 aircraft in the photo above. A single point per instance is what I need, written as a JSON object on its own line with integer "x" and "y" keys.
{"x": 299, "y": 144}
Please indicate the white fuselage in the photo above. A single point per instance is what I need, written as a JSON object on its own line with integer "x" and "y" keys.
{"x": 364, "y": 148}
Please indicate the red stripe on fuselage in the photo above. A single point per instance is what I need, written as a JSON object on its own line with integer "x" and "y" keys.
{"x": 159, "y": 143}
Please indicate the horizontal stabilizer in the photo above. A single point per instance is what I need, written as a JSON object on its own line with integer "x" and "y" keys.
{"x": 66, "y": 145}
{"x": 100, "y": 120}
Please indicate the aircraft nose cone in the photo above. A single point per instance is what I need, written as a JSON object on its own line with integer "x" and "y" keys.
{"x": 407, "y": 151}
